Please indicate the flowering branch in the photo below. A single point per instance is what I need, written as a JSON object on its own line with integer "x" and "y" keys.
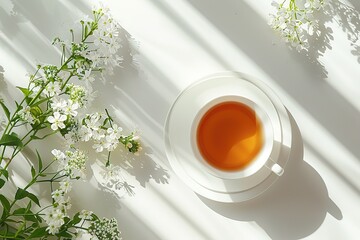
{"x": 55, "y": 100}
{"x": 294, "y": 22}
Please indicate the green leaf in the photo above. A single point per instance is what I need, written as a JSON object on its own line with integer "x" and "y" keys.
{"x": 40, "y": 101}
{"x": 25, "y": 91}
{"x": 6, "y": 110}
{"x": 22, "y": 193}
{"x": 26, "y": 213}
{"x": 20, "y": 211}
{"x": 5, "y": 203}
{"x": 31, "y": 217}
{"x": 33, "y": 172}
{"x": 76, "y": 219}
{"x": 2, "y": 182}
{"x": 39, "y": 161}
{"x": 38, "y": 233}
{"x": 4, "y": 172}
{"x": 10, "y": 140}
{"x": 64, "y": 234}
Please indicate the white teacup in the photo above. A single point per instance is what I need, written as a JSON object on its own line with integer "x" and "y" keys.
{"x": 262, "y": 158}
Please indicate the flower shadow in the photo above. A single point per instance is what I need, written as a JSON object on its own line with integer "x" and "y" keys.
{"x": 347, "y": 17}
{"x": 294, "y": 207}
{"x": 144, "y": 167}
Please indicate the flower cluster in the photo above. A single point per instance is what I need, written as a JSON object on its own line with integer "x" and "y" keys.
{"x": 56, "y": 98}
{"x": 55, "y": 214}
{"x": 105, "y": 229}
{"x": 72, "y": 163}
{"x": 105, "y": 134}
{"x": 294, "y": 23}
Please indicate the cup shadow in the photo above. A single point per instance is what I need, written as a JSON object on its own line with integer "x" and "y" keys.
{"x": 294, "y": 207}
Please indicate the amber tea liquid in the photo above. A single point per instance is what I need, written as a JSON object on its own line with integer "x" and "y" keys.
{"x": 229, "y": 136}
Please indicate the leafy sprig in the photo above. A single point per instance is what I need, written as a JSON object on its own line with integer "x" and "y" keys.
{"x": 55, "y": 102}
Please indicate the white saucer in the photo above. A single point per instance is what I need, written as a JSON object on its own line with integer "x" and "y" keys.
{"x": 178, "y": 136}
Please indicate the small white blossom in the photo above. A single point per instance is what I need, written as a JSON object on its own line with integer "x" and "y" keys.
{"x": 25, "y": 115}
{"x": 85, "y": 133}
{"x": 71, "y": 108}
{"x": 58, "y": 104}
{"x": 93, "y": 122}
{"x": 54, "y": 218}
{"x": 52, "y": 89}
{"x": 65, "y": 185}
{"x": 85, "y": 215}
{"x": 114, "y": 131}
{"x": 64, "y": 204}
{"x": 59, "y": 155}
{"x": 58, "y": 195}
{"x": 99, "y": 134}
{"x": 57, "y": 121}
{"x": 100, "y": 145}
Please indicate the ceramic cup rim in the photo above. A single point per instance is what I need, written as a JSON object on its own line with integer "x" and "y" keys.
{"x": 260, "y": 159}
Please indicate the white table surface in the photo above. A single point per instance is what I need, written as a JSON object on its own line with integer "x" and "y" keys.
{"x": 178, "y": 42}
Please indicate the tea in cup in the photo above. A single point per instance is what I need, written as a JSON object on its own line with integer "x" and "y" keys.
{"x": 233, "y": 138}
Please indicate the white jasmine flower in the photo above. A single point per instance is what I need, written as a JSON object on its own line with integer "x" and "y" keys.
{"x": 59, "y": 155}
{"x": 58, "y": 104}
{"x": 52, "y": 89}
{"x": 100, "y": 145}
{"x": 65, "y": 185}
{"x": 53, "y": 228}
{"x": 25, "y": 115}
{"x": 57, "y": 195}
{"x": 93, "y": 121}
{"x": 57, "y": 121}
{"x": 98, "y": 134}
{"x": 114, "y": 131}
{"x": 82, "y": 235}
{"x": 85, "y": 133}
{"x": 54, "y": 218}
{"x": 64, "y": 204}
{"x": 70, "y": 109}
{"x": 112, "y": 144}
{"x": 86, "y": 215}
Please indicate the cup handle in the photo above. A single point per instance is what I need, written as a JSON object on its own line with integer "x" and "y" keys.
{"x": 277, "y": 169}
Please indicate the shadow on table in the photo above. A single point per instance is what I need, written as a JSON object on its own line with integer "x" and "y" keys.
{"x": 347, "y": 18}
{"x": 294, "y": 207}
{"x": 131, "y": 103}
{"x": 108, "y": 205}
{"x": 293, "y": 72}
